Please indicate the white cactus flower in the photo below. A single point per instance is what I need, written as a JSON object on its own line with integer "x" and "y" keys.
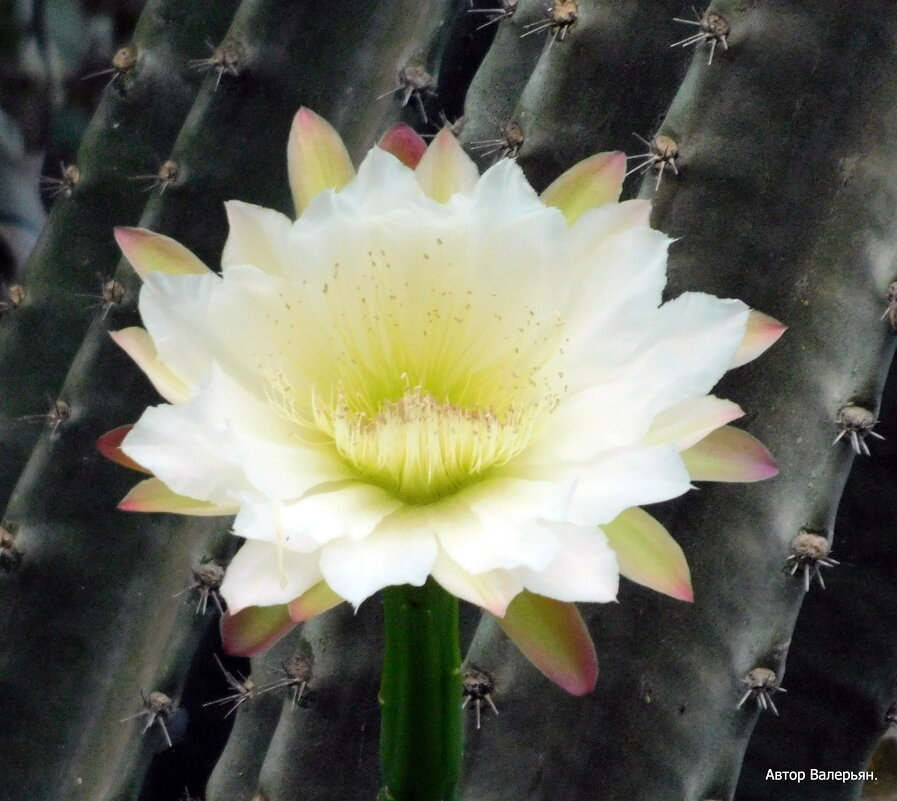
{"x": 435, "y": 373}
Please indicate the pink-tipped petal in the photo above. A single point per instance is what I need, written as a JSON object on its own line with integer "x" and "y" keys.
{"x": 254, "y": 629}
{"x": 590, "y": 183}
{"x": 110, "y": 446}
{"x": 729, "y": 454}
{"x": 152, "y": 495}
{"x": 317, "y": 159}
{"x": 648, "y": 555}
{"x": 313, "y": 602}
{"x": 445, "y": 168}
{"x": 404, "y": 143}
{"x": 554, "y": 637}
{"x": 762, "y": 333}
{"x": 691, "y": 420}
{"x": 138, "y": 344}
{"x": 150, "y": 252}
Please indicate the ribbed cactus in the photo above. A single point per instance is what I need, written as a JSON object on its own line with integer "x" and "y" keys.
{"x": 782, "y": 195}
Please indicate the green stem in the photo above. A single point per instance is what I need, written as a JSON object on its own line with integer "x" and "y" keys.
{"x": 421, "y": 736}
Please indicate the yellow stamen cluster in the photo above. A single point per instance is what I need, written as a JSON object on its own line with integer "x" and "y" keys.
{"x": 423, "y": 449}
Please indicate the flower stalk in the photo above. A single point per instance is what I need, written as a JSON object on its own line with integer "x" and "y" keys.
{"x": 421, "y": 732}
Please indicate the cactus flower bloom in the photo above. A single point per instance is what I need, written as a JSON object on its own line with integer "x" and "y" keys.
{"x": 433, "y": 372}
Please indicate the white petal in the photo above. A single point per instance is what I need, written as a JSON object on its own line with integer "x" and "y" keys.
{"x": 689, "y": 421}
{"x": 505, "y": 193}
{"x": 263, "y": 575}
{"x": 401, "y": 551}
{"x": 697, "y": 337}
{"x": 493, "y": 525}
{"x": 173, "y": 308}
{"x": 224, "y": 442}
{"x": 585, "y": 568}
{"x": 492, "y": 590}
{"x": 679, "y": 355}
{"x": 382, "y": 183}
{"x": 185, "y": 449}
{"x": 628, "y": 477}
{"x": 350, "y": 509}
{"x": 615, "y": 283}
{"x": 258, "y": 236}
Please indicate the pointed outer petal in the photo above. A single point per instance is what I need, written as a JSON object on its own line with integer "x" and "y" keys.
{"x": 317, "y": 159}
{"x": 254, "y": 629}
{"x": 187, "y": 450}
{"x": 729, "y": 454}
{"x": 151, "y": 495}
{"x": 150, "y": 252}
{"x": 648, "y": 555}
{"x": 261, "y": 574}
{"x": 138, "y": 344}
{"x": 225, "y": 444}
{"x": 590, "y": 183}
{"x": 554, "y": 637}
{"x": 495, "y": 524}
{"x": 404, "y": 143}
{"x": 691, "y": 420}
{"x": 629, "y": 477}
{"x": 258, "y": 236}
{"x": 401, "y": 550}
{"x": 679, "y": 354}
{"x": 383, "y": 184}
{"x": 313, "y": 602}
{"x": 345, "y": 509}
{"x": 174, "y": 311}
{"x": 585, "y": 568}
{"x": 110, "y": 446}
{"x": 492, "y": 590}
{"x": 761, "y": 334}
{"x": 445, "y": 169}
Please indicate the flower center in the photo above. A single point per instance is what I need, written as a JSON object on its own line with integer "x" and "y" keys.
{"x": 421, "y": 374}
{"x": 422, "y": 448}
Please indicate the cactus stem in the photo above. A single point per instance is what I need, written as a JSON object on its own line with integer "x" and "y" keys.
{"x": 420, "y": 730}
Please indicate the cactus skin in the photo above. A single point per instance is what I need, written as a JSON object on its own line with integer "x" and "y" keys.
{"x": 842, "y": 664}
{"x": 88, "y": 592}
{"x": 769, "y": 208}
{"x": 131, "y": 134}
{"x": 612, "y": 76}
{"x": 664, "y": 723}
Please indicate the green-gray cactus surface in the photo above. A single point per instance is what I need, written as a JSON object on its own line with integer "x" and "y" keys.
{"x": 784, "y": 194}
